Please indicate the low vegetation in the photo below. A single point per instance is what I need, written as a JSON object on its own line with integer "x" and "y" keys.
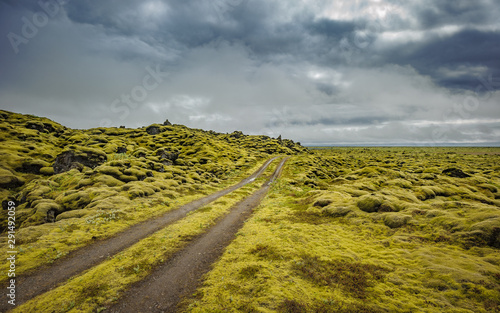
{"x": 368, "y": 230}
{"x": 101, "y": 286}
{"x": 72, "y": 187}
{"x": 342, "y": 230}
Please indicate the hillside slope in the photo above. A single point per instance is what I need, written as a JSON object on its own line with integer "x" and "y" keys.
{"x": 54, "y": 173}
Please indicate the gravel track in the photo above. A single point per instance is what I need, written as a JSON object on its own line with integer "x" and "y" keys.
{"x": 163, "y": 289}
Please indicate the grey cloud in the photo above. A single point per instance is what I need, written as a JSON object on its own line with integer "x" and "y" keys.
{"x": 263, "y": 67}
{"x": 467, "y": 48}
{"x": 437, "y": 13}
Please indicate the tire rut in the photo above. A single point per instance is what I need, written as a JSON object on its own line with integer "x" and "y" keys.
{"x": 162, "y": 290}
{"x": 47, "y": 277}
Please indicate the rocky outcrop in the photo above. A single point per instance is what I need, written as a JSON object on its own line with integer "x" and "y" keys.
{"x": 167, "y": 157}
{"x": 237, "y": 134}
{"x": 42, "y": 127}
{"x": 78, "y": 159}
{"x": 455, "y": 172}
{"x": 153, "y": 130}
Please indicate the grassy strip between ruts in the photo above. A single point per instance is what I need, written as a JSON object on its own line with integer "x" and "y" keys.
{"x": 104, "y": 283}
{"x": 49, "y": 242}
{"x": 287, "y": 258}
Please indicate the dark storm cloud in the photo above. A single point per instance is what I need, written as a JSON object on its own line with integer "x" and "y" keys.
{"x": 442, "y": 12}
{"x": 190, "y": 24}
{"x": 441, "y": 57}
{"x": 311, "y": 70}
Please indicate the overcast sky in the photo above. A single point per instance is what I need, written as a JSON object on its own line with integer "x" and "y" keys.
{"x": 315, "y": 71}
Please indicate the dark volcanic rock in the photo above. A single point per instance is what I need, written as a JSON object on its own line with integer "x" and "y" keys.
{"x": 153, "y": 130}
{"x": 71, "y": 159}
{"x": 51, "y": 216}
{"x": 35, "y": 125}
{"x": 167, "y": 157}
{"x": 41, "y": 127}
{"x": 33, "y": 168}
{"x": 121, "y": 150}
{"x": 5, "y": 203}
{"x": 455, "y": 172}
{"x": 236, "y": 134}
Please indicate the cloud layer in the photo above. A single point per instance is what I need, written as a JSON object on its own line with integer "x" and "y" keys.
{"x": 319, "y": 72}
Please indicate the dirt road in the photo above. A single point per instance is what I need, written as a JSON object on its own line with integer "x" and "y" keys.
{"x": 162, "y": 290}
{"x": 48, "y": 277}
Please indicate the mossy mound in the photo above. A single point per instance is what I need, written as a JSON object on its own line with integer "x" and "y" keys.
{"x": 396, "y": 220}
{"x": 8, "y": 180}
{"x": 45, "y": 211}
{"x": 369, "y": 203}
{"x": 74, "y": 200}
{"x": 337, "y": 211}
{"x": 486, "y": 232}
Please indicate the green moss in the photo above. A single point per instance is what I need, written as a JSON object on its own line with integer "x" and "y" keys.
{"x": 266, "y": 251}
{"x": 9, "y": 180}
{"x": 31, "y": 234}
{"x": 490, "y": 231}
{"x": 95, "y": 288}
{"x": 387, "y": 206}
{"x": 322, "y": 202}
{"x": 45, "y": 212}
{"x": 396, "y": 220}
{"x": 429, "y": 268}
{"x": 73, "y": 214}
{"x": 425, "y": 193}
{"x": 369, "y": 203}
{"x": 337, "y": 211}
{"x": 48, "y": 171}
{"x": 127, "y": 178}
{"x": 74, "y": 201}
{"x": 109, "y": 170}
{"x": 352, "y": 277}
{"x": 136, "y": 172}
{"x": 107, "y": 180}
{"x": 287, "y": 227}
{"x": 139, "y": 189}
{"x": 489, "y": 187}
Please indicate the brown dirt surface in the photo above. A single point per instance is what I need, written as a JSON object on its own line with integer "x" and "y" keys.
{"x": 50, "y": 276}
{"x": 163, "y": 289}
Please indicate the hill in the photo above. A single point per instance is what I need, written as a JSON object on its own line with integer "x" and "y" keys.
{"x": 53, "y": 172}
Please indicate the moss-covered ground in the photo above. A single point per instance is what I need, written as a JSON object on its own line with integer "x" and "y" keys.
{"x": 100, "y": 286}
{"x": 72, "y": 187}
{"x": 342, "y": 230}
{"x": 368, "y": 230}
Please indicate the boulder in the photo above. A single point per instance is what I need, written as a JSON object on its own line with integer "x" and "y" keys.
{"x": 236, "y": 134}
{"x": 455, "y": 172}
{"x": 121, "y": 150}
{"x": 153, "y": 130}
{"x": 167, "y": 157}
{"x": 68, "y": 160}
{"x": 41, "y": 127}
